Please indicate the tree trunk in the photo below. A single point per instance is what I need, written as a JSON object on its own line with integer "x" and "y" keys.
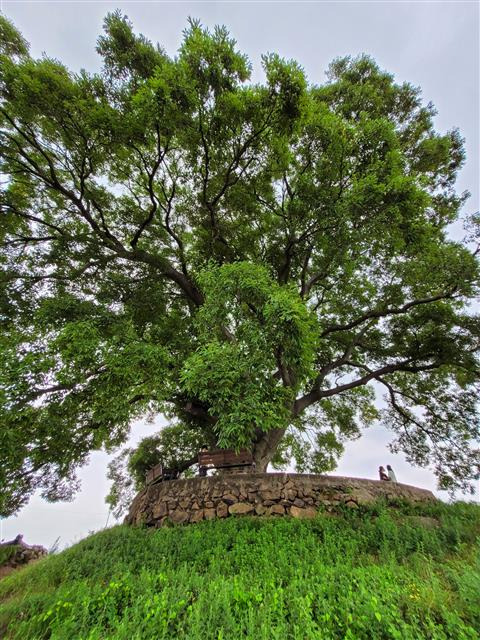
{"x": 265, "y": 447}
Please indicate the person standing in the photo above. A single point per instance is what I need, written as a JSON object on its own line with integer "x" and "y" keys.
{"x": 391, "y": 474}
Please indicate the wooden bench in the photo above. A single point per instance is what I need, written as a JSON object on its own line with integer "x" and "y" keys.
{"x": 224, "y": 459}
{"x": 159, "y": 473}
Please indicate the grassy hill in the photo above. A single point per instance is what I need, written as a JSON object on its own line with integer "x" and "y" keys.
{"x": 405, "y": 573}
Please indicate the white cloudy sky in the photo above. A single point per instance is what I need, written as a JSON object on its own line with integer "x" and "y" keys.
{"x": 434, "y": 45}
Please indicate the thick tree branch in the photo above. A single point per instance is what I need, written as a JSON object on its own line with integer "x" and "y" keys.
{"x": 199, "y": 412}
{"x": 316, "y": 394}
{"x": 108, "y": 239}
{"x": 151, "y": 192}
{"x": 374, "y": 313}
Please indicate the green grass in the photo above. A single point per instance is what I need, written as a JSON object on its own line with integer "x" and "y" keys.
{"x": 6, "y": 552}
{"x": 369, "y": 574}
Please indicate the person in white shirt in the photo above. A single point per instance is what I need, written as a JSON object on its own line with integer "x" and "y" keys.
{"x": 382, "y": 473}
{"x": 391, "y": 474}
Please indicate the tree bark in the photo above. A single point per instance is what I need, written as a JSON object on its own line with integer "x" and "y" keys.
{"x": 265, "y": 447}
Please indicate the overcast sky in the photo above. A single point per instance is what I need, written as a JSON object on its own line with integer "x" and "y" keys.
{"x": 434, "y": 45}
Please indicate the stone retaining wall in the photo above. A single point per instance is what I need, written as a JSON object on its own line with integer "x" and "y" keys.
{"x": 260, "y": 494}
{"x": 21, "y": 555}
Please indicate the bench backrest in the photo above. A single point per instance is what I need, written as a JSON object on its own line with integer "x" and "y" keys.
{"x": 224, "y": 458}
{"x": 154, "y": 473}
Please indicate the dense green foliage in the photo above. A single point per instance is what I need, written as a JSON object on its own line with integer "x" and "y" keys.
{"x": 249, "y": 260}
{"x": 370, "y": 575}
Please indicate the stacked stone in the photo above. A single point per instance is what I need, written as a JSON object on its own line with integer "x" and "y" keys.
{"x": 23, "y": 555}
{"x": 296, "y": 495}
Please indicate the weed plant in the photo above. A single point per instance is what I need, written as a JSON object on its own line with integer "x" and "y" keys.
{"x": 367, "y": 574}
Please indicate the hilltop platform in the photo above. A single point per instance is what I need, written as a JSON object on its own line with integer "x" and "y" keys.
{"x": 261, "y": 494}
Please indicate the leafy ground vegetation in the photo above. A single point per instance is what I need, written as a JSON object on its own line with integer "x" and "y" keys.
{"x": 6, "y": 553}
{"x": 369, "y": 574}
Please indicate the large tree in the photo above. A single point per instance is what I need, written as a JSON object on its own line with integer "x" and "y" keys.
{"x": 253, "y": 261}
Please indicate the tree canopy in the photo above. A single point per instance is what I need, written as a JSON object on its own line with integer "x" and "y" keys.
{"x": 254, "y": 261}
